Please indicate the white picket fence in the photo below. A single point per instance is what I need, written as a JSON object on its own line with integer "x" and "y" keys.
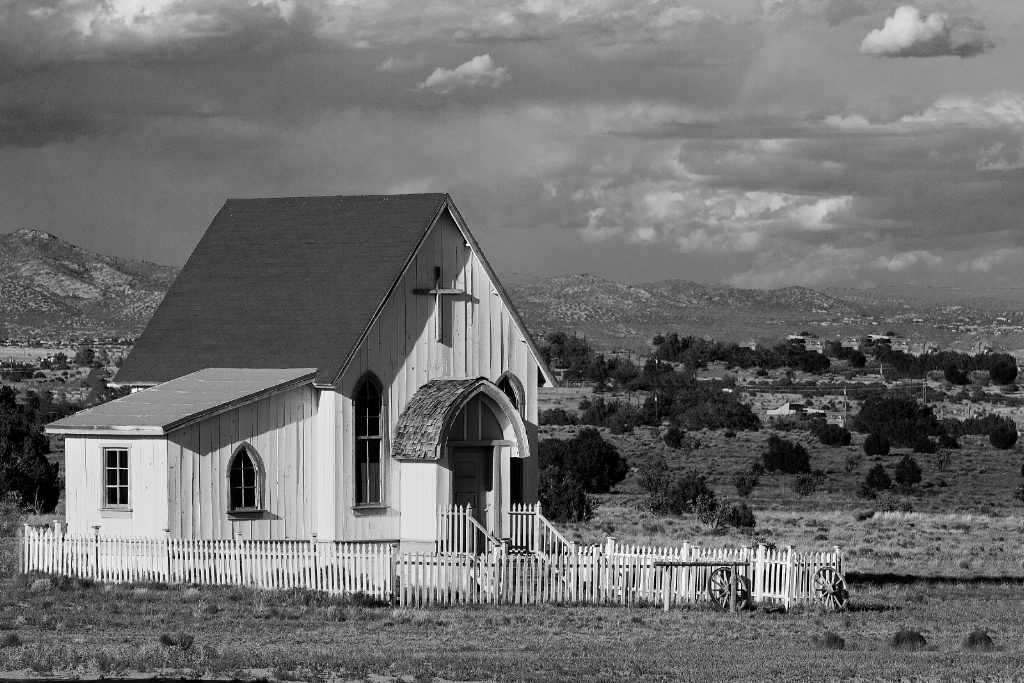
{"x": 333, "y": 567}
{"x": 602, "y": 574}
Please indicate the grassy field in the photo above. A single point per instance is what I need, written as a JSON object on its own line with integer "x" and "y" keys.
{"x": 953, "y": 565}
{"x": 71, "y": 629}
{"x": 965, "y": 521}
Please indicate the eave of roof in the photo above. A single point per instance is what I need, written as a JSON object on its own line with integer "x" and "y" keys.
{"x": 175, "y": 404}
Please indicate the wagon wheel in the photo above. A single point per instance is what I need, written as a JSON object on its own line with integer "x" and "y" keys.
{"x": 830, "y": 589}
{"x": 720, "y": 589}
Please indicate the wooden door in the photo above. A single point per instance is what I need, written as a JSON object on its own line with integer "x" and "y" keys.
{"x": 471, "y": 480}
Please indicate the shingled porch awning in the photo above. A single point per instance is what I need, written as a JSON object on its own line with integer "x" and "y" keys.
{"x": 423, "y": 425}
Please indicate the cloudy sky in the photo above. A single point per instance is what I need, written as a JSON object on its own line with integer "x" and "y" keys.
{"x": 756, "y": 143}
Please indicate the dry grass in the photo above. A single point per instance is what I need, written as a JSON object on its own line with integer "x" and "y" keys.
{"x": 73, "y": 629}
{"x": 965, "y": 522}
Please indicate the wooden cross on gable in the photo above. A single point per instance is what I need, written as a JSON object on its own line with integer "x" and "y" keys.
{"x": 438, "y": 291}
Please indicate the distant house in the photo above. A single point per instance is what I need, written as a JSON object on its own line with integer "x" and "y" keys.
{"x": 343, "y": 367}
{"x": 816, "y": 345}
{"x": 850, "y": 343}
{"x": 787, "y": 409}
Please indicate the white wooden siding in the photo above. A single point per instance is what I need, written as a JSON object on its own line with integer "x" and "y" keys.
{"x": 479, "y": 339}
{"x": 147, "y": 486}
{"x": 281, "y": 430}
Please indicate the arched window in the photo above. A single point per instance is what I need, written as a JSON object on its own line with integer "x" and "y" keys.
{"x": 369, "y": 442}
{"x": 245, "y": 480}
{"x": 511, "y": 387}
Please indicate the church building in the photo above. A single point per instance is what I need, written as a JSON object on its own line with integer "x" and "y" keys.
{"x": 332, "y": 367}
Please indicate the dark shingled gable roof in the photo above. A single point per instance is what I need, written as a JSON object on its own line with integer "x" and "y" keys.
{"x": 282, "y": 283}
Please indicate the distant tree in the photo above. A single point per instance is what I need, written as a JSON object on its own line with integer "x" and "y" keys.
{"x": 1003, "y": 370}
{"x": 955, "y": 375}
{"x": 26, "y": 475}
{"x": 785, "y": 456}
{"x": 908, "y": 472}
{"x": 858, "y": 359}
{"x": 876, "y": 480}
{"x": 1003, "y": 437}
{"x": 876, "y": 444}
{"x": 60, "y": 361}
{"x": 745, "y": 482}
{"x": 85, "y": 356}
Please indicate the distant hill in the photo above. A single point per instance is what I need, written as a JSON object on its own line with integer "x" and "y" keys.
{"x": 613, "y": 315}
{"x": 52, "y": 289}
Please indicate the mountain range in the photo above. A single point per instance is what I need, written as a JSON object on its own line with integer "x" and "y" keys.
{"x": 50, "y": 289}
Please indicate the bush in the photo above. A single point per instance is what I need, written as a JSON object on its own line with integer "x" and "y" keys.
{"x": 922, "y": 444}
{"x": 979, "y": 640}
{"x": 739, "y": 516}
{"x": 692, "y": 493}
{"x": 876, "y": 480}
{"x": 785, "y": 456}
{"x": 908, "y": 640}
{"x": 900, "y": 419}
{"x": 832, "y": 435}
{"x": 890, "y": 503}
{"x": 908, "y": 472}
{"x": 674, "y": 437}
{"x": 852, "y": 462}
{"x": 557, "y": 416}
{"x": 745, "y": 483}
{"x": 587, "y": 457}
{"x": 828, "y": 641}
{"x": 572, "y": 470}
{"x": 806, "y": 484}
{"x": 1019, "y": 493}
{"x": 948, "y": 441}
{"x": 876, "y": 444}
{"x": 1003, "y": 437}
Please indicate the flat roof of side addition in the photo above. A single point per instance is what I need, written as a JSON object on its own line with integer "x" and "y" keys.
{"x": 162, "y": 408}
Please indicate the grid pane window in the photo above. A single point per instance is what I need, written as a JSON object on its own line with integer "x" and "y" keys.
{"x": 244, "y": 482}
{"x": 116, "y": 476}
{"x": 369, "y": 437}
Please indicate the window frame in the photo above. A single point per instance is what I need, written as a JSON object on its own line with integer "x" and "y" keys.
{"x": 517, "y": 389}
{"x": 257, "y": 464}
{"x": 381, "y": 438}
{"x": 127, "y": 485}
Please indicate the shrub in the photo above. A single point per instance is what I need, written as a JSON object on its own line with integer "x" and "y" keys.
{"x": 557, "y": 416}
{"x": 876, "y": 444}
{"x": 745, "y": 483}
{"x": 833, "y": 435}
{"x": 785, "y": 456}
{"x": 890, "y": 503}
{"x": 908, "y": 640}
{"x": 922, "y": 444}
{"x": 852, "y": 462}
{"x": 908, "y": 472}
{"x": 1003, "y": 437}
{"x": 674, "y": 437}
{"x": 572, "y": 470}
{"x": 807, "y": 483}
{"x": 900, "y": 419}
{"x": 10, "y": 640}
{"x": 692, "y": 493}
{"x": 739, "y": 516}
{"x": 979, "y": 640}
{"x": 948, "y": 441}
{"x": 828, "y": 641}
{"x": 729, "y": 434}
{"x": 1019, "y": 493}
{"x": 587, "y": 457}
{"x": 876, "y": 480}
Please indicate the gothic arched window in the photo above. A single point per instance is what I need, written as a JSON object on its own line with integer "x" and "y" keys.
{"x": 369, "y": 432}
{"x": 245, "y": 480}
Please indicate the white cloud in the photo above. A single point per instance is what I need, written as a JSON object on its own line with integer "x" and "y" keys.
{"x": 825, "y": 264}
{"x": 909, "y": 33}
{"x": 399, "y": 65}
{"x": 991, "y": 259}
{"x": 901, "y": 262}
{"x": 477, "y": 72}
{"x": 993, "y": 159}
